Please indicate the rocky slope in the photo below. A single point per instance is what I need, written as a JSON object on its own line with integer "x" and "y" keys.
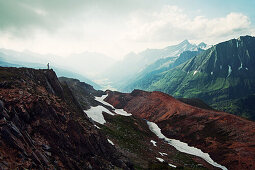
{"x": 131, "y": 135}
{"x": 42, "y": 126}
{"x": 83, "y": 93}
{"x": 229, "y": 139}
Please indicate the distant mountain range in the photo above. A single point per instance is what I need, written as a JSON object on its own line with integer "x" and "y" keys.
{"x": 150, "y": 74}
{"x": 223, "y": 76}
{"x": 124, "y": 71}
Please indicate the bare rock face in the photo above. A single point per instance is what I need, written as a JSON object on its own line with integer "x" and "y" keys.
{"x": 42, "y": 127}
{"x": 229, "y": 139}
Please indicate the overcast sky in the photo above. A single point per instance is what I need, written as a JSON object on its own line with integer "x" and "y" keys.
{"x": 117, "y": 27}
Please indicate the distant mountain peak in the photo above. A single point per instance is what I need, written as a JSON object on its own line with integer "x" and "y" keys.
{"x": 185, "y": 42}
{"x": 202, "y": 45}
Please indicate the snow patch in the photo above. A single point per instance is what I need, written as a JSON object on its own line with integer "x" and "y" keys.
{"x": 110, "y": 141}
{"x": 220, "y": 66}
{"x": 172, "y": 165}
{"x": 183, "y": 147}
{"x": 241, "y": 66}
{"x": 122, "y": 112}
{"x": 236, "y": 44}
{"x": 117, "y": 111}
{"x": 162, "y": 154}
{"x": 153, "y": 142}
{"x": 195, "y": 72}
{"x": 160, "y": 159}
{"x": 96, "y": 113}
{"x": 101, "y": 100}
{"x": 229, "y": 70}
{"x": 97, "y": 127}
{"x": 211, "y": 73}
{"x": 246, "y": 68}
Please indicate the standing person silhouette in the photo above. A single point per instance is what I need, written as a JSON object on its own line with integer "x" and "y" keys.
{"x": 48, "y": 65}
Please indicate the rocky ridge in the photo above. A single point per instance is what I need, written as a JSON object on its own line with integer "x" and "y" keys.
{"x": 42, "y": 126}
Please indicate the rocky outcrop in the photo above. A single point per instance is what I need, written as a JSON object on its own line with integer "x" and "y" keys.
{"x": 83, "y": 93}
{"x": 42, "y": 127}
{"x": 229, "y": 139}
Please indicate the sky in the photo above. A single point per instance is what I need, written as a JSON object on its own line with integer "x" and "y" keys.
{"x": 117, "y": 27}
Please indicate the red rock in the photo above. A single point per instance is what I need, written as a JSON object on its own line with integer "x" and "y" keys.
{"x": 229, "y": 139}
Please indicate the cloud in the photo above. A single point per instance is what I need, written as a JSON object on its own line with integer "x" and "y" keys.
{"x": 108, "y": 26}
{"x": 172, "y": 23}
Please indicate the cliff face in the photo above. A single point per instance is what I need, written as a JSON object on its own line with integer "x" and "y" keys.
{"x": 42, "y": 125}
{"x": 83, "y": 93}
{"x": 227, "y": 138}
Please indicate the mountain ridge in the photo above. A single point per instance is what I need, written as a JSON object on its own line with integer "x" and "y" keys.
{"x": 223, "y": 72}
{"x": 43, "y": 127}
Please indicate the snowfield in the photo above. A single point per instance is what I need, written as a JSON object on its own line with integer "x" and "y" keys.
{"x": 96, "y": 113}
{"x": 183, "y": 147}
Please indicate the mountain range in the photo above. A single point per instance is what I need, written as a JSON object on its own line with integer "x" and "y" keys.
{"x": 48, "y": 121}
{"x": 222, "y": 76}
{"x": 132, "y": 64}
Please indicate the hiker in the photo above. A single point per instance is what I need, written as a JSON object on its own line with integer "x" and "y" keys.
{"x": 48, "y": 66}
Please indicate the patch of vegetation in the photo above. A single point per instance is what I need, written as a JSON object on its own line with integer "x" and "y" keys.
{"x": 186, "y": 159}
{"x": 128, "y": 131}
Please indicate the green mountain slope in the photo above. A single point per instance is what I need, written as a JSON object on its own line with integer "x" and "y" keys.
{"x": 223, "y": 73}
{"x": 151, "y": 72}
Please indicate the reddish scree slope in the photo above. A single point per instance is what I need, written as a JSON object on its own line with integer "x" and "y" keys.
{"x": 230, "y": 140}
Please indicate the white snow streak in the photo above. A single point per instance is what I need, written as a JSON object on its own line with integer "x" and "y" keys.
{"x": 162, "y": 154}
{"x": 172, "y": 165}
{"x": 153, "y": 142}
{"x": 195, "y": 72}
{"x": 122, "y": 112}
{"x": 229, "y": 70}
{"x": 110, "y": 141}
{"x": 183, "y": 147}
{"x": 97, "y": 127}
{"x": 101, "y": 100}
{"x": 160, "y": 159}
{"x": 241, "y": 66}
